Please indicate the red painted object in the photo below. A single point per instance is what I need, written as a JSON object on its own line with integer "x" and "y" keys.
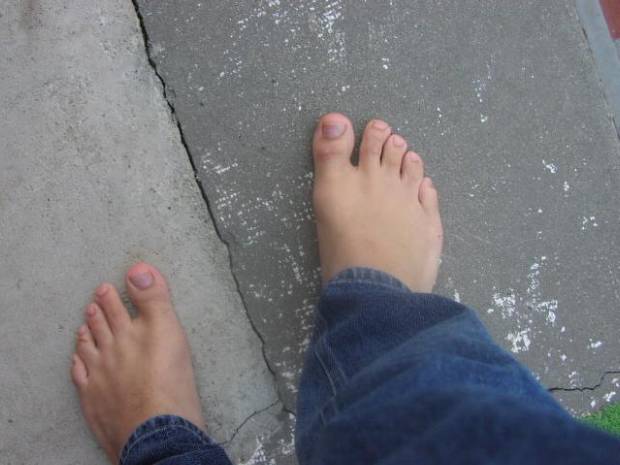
{"x": 611, "y": 10}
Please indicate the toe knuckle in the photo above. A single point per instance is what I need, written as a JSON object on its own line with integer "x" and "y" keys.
{"x": 326, "y": 151}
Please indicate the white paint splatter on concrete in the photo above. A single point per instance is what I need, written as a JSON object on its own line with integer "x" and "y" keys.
{"x": 329, "y": 16}
{"x": 609, "y": 396}
{"x": 259, "y": 457}
{"x": 574, "y": 379}
{"x": 480, "y": 88}
{"x": 595, "y": 344}
{"x": 527, "y": 310}
{"x": 587, "y": 222}
{"x": 337, "y": 51}
{"x": 534, "y": 295}
{"x": 505, "y": 303}
{"x": 551, "y": 167}
{"x": 520, "y": 340}
{"x": 219, "y": 169}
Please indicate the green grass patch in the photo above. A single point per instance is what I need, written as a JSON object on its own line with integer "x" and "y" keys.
{"x": 607, "y": 419}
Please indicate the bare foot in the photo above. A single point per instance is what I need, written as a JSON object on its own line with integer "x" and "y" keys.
{"x": 382, "y": 214}
{"x": 128, "y": 370}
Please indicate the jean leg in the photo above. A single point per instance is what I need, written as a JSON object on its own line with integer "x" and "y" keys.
{"x": 416, "y": 377}
{"x": 171, "y": 440}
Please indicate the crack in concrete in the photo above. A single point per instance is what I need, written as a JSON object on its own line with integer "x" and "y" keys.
{"x": 247, "y": 419}
{"x": 585, "y": 388}
{"x": 223, "y": 240}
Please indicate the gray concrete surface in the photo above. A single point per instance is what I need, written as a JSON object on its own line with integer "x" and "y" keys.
{"x": 93, "y": 176}
{"x": 502, "y": 100}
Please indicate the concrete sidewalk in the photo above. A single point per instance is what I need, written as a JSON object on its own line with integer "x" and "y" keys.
{"x": 93, "y": 176}
{"x": 502, "y": 100}
{"x": 102, "y": 143}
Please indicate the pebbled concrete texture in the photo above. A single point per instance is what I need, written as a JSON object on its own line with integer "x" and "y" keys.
{"x": 93, "y": 176}
{"x": 499, "y": 97}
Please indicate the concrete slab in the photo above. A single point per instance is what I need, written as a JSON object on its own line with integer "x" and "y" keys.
{"x": 93, "y": 176}
{"x": 501, "y": 99}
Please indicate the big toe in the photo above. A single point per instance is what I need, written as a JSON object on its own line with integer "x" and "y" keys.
{"x": 332, "y": 145}
{"x": 148, "y": 290}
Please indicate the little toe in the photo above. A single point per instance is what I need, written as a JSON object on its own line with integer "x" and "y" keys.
{"x": 148, "y": 291}
{"x": 332, "y": 144}
{"x": 412, "y": 169}
{"x": 79, "y": 373}
{"x": 428, "y": 196}
{"x": 98, "y": 325}
{"x": 85, "y": 345}
{"x": 393, "y": 152}
{"x": 109, "y": 300}
{"x": 374, "y": 137}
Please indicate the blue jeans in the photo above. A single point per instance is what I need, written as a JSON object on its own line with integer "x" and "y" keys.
{"x": 396, "y": 377}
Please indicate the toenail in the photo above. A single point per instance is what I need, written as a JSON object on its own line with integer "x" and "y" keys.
{"x": 142, "y": 280}
{"x": 91, "y": 310}
{"x": 101, "y": 290}
{"x": 398, "y": 141}
{"x": 81, "y": 331}
{"x": 333, "y": 130}
{"x": 378, "y": 124}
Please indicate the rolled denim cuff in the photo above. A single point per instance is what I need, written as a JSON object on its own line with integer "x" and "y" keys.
{"x": 360, "y": 275}
{"x": 170, "y": 437}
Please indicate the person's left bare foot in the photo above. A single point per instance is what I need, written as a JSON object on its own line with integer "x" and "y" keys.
{"x": 129, "y": 370}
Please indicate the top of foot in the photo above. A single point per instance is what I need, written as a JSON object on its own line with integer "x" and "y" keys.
{"x": 381, "y": 214}
{"x": 129, "y": 370}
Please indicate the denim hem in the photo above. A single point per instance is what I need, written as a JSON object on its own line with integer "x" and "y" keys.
{"x": 157, "y": 425}
{"x": 357, "y": 279}
{"x": 361, "y": 275}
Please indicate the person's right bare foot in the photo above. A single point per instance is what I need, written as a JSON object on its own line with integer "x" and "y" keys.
{"x": 382, "y": 214}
